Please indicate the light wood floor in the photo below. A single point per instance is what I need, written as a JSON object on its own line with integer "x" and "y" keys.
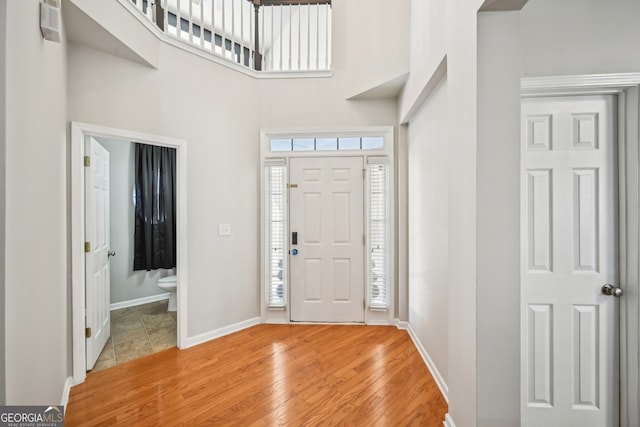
{"x": 269, "y": 375}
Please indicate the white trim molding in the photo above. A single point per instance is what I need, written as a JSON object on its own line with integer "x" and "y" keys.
{"x": 380, "y": 322}
{"x": 541, "y": 86}
{"x": 401, "y": 324}
{"x": 65, "y": 392}
{"x": 442, "y": 385}
{"x": 79, "y": 132}
{"x": 448, "y": 421}
{"x": 220, "y": 332}
{"x": 434, "y": 80}
{"x": 139, "y": 301}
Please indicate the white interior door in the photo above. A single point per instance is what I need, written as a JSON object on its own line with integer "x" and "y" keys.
{"x": 97, "y": 279}
{"x": 326, "y": 212}
{"x": 570, "y": 329}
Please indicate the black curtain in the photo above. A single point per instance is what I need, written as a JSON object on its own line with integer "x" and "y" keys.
{"x": 155, "y": 207}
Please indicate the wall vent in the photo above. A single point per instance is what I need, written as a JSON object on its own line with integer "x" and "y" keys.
{"x": 50, "y": 22}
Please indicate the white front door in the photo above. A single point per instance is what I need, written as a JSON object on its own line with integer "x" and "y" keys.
{"x": 570, "y": 329}
{"x": 327, "y": 260}
{"x": 97, "y": 279}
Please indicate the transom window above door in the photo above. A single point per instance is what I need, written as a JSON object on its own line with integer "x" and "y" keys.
{"x": 349, "y": 143}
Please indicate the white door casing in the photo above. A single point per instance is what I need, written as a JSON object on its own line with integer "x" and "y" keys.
{"x": 570, "y": 330}
{"x": 79, "y": 133}
{"x": 97, "y": 274}
{"x": 327, "y": 213}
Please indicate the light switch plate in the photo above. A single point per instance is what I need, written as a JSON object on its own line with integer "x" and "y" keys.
{"x": 224, "y": 229}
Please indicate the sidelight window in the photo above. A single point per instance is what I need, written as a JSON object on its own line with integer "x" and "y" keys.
{"x": 275, "y": 203}
{"x": 378, "y": 242}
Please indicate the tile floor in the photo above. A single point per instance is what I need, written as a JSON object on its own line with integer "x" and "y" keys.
{"x": 137, "y": 332}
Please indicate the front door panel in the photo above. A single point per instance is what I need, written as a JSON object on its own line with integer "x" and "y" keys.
{"x": 327, "y": 207}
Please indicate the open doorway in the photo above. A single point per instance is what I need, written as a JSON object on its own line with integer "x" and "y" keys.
{"x": 139, "y": 299}
{"x": 82, "y": 134}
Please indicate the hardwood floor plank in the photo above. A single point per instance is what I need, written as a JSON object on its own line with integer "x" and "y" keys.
{"x": 269, "y": 375}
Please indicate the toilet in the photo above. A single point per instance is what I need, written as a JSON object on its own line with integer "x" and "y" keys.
{"x": 170, "y": 284}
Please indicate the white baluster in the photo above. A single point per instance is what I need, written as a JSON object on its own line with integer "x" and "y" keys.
{"x": 223, "y": 32}
{"x": 272, "y": 46}
{"x": 317, "y": 36}
{"x": 190, "y": 21}
{"x": 178, "y": 20}
{"x": 202, "y": 23}
{"x": 308, "y": 36}
{"x": 299, "y": 37}
{"x": 290, "y": 35}
{"x": 213, "y": 26}
{"x": 327, "y": 36}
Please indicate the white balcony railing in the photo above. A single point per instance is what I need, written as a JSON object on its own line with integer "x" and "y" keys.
{"x": 264, "y": 35}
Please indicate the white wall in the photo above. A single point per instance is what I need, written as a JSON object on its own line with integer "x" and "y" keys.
{"x": 429, "y": 226}
{"x": 126, "y": 284}
{"x": 3, "y": 196}
{"x": 219, "y": 112}
{"x": 314, "y": 102}
{"x": 104, "y": 25}
{"x": 401, "y": 214}
{"x": 376, "y": 40}
{"x": 457, "y": 29}
{"x": 444, "y": 39}
{"x": 36, "y": 276}
{"x": 498, "y": 220}
{"x": 211, "y": 107}
{"x": 428, "y": 41}
{"x": 580, "y": 37}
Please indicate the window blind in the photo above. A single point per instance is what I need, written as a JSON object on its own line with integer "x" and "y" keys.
{"x": 378, "y": 244}
{"x": 276, "y": 229}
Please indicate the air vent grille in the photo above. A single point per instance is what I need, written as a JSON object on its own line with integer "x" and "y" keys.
{"x": 54, "y": 14}
{"x": 50, "y": 22}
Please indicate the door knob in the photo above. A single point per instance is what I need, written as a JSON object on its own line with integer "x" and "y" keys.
{"x": 111, "y": 253}
{"x": 611, "y": 290}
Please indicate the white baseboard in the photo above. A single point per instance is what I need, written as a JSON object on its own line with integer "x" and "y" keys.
{"x": 380, "y": 322}
{"x": 65, "y": 393}
{"x": 401, "y": 324}
{"x": 442, "y": 385}
{"x": 448, "y": 421}
{"x": 275, "y": 322}
{"x": 139, "y": 301}
{"x": 226, "y": 330}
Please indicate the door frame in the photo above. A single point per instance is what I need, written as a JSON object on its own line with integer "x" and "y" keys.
{"x": 80, "y": 131}
{"x": 372, "y": 316}
{"x": 627, "y": 88}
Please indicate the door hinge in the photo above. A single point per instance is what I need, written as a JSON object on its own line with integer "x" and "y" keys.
{"x": 292, "y": 185}
{"x": 364, "y": 239}
{"x": 87, "y": 247}
{"x": 364, "y": 304}
{"x": 87, "y": 332}
{"x": 364, "y": 173}
{"x": 87, "y": 161}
